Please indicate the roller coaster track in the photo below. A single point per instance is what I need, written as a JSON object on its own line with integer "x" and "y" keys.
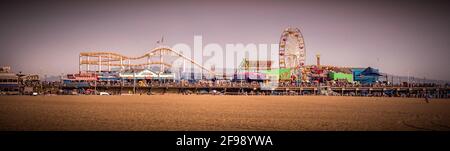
{"x": 95, "y": 62}
{"x": 109, "y": 57}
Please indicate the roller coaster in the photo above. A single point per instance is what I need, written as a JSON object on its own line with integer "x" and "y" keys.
{"x": 114, "y": 60}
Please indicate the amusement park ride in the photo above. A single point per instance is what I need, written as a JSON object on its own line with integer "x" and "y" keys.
{"x": 292, "y": 53}
{"x": 114, "y": 60}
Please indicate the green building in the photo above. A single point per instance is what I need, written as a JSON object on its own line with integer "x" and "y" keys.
{"x": 340, "y": 76}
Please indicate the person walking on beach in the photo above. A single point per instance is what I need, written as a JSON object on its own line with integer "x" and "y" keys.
{"x": 427, "y": 97}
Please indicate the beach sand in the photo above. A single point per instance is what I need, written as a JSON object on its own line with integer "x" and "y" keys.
{"x": 207, "y": 112}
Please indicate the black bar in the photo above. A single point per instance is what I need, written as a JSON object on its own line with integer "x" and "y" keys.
{"x": 280, "y": 140}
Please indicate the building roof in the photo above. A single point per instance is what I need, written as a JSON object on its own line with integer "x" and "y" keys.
{"x": 343, "y": 70}
{"x": 8, "y": 76}
{"x": 370, "y": 72}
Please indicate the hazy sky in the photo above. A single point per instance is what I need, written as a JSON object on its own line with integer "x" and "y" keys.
{"x": 46, "y": 37}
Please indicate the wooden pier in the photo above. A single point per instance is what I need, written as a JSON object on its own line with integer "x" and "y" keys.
{"x": 437, "y": 92}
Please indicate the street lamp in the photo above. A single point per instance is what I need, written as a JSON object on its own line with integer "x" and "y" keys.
{"x": 134, "y": 81}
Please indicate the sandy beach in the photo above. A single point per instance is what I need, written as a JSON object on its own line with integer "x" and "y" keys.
{"x": 207, "y": 112}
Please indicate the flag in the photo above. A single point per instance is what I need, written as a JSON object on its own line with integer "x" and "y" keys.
{"x": 160, "y": 41}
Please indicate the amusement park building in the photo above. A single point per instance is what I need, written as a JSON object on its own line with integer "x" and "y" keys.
{"x": 145, "y": 74}
{"x": 366, "y": 75}
{"x": 340, "y": 76}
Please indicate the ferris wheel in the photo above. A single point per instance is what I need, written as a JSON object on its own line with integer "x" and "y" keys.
{"x": 292, "y": 50}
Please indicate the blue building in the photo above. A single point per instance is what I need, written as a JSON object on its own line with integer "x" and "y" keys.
{"x": 365, "y": 75}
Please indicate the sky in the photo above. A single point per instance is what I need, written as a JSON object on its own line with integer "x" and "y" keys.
{"x": 401, "y": 37}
